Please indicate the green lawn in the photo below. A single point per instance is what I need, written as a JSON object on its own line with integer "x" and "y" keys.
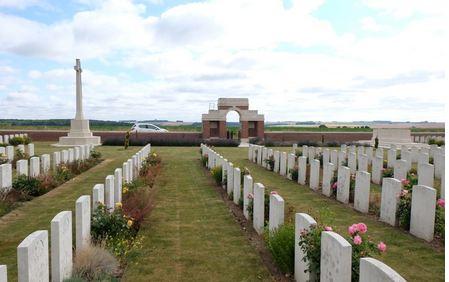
{"x": 191, "y": 235}
{"x": 413, "y": 258}
{"x": 37, "y": 214}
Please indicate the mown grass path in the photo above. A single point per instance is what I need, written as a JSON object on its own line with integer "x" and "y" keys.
{"x": 38, "y": 213}
{"x": 413, "y": 258}
{"x": 190, "y": 234}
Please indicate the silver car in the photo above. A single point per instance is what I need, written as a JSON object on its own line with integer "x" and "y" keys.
{"x": 147, "y": 127}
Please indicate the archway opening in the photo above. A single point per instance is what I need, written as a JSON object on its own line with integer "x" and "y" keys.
{"x": 233, "y": 126}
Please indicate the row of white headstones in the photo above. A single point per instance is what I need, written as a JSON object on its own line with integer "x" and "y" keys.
{"x": 35, "y": 166}
{"x": 33, "y": 251}
{"x": 336, "y": 252}
{"x": 5, "y": 138}
{"x": 424, "y": 196}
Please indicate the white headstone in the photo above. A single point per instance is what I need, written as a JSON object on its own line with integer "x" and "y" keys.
{"x": 56, "y": 160}
{"x": 362, "y": 191}
{"x": 118, "y": 185}
{"x": 334, "y": 157}
{"x": 302, "y": 170}
{"x": 291, "y": 158}
{"x": 352, "y": 162}
{"x": 22, "y": 167}
{"x": 32, "y": 257}
{"x": 407, "y": 157}
{"x": 34, "y": 167}
{"x": 369, "y": 154}
{"x": 391, "y": 157}
{"x": 314, "y": 174}
{"x": 305, "y": 151}
{"x": 97, "y": 196}
{"x": 230, "y": 179}
{"x": 328, "y": 175}
{"x": 71, "y": 155}
{"x": 21, "y": 148}
{"x": 247, "y": 189}
{"x": 125, "y": 171}
{"x": 372, "y": 270}
{"x": 237, "y": 185}
{"x": 264, "y": 156}
{"x": 82, "y": 222}
{"x": 276, "y": 212}
{"x": 303, "y": 222}
{"x": 341, "y": 158}
{"x": 109, "y": 193}
{"x": 3, "y": 269}
{"x": 259, "y": 155}
{"x": 326, "y": 156}
{"x": 130, "y": 170}
{"x": 363, "y": 162}
{"x": 5, "y": 176}
{"x": 277, "y": 160}
{"x": 283, "y": 164}
{"x": 423, "y": 158}
{"x": 259, "y": 208}
{"x": 400, "y": 170}
{"x": 426, "y": 174}
{"x": 422, "y": 219}
{"x": 65, "y": 156}
{"x": 61, "y": 246}
{"x": 10, "y": 153}
{"x": 376, "y": 169}
{"x": 343, "y": 182}
{"x": 336, "y": 258}
{"x": 438, "y": 162}
{"x": 391, "y": 189}
{"x": 45, "y": 163}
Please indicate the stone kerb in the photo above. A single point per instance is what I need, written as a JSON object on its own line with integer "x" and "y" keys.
{"x": 276, "y": 212}
{"x": 328, "y": 175}
{"x": 362, "y": 191}
{"x": 391, "y": 188}
{"x": 422, "y": 219}
{"x": 247, "y": 189}
{"x": 32, "y": 257}
{"x": 372, "y": 270}
{"x": 259, "y": 208}
{"x": 336, "y": 256}
{"x": 343, "y": 182}
{"x": 303, "y": 222}
{"x": 82, "y": 222}
{"x": 314, "y": 174}
{"x": 61, "y": 246}
{"x": 237, "y": 185}
{"x": 97, "y": 196}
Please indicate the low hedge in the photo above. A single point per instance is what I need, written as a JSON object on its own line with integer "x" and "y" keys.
{"x": 120, "y": 141}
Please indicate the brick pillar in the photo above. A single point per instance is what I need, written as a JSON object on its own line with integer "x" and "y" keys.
{"x": 244, "y": 129}
{"x": 206, "y": 129}
{"x": 260, "y": 129}
{"x": 222, "y": 129}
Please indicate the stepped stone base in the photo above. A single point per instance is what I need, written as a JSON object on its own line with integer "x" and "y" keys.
{"x": 79, "y": 134}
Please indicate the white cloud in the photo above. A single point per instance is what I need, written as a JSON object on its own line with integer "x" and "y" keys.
{"x": 23, "y": 4}
{"x": 370, "y": 24}
{"x": 408, "y": 8}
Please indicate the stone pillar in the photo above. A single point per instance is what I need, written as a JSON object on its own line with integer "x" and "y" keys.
{"x": 245, "y": 129}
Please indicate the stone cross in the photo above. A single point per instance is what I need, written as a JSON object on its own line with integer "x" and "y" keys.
{"x": 79, "y": 92}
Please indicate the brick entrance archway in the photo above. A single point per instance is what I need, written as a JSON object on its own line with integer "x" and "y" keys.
{"x": 251, "y": 122}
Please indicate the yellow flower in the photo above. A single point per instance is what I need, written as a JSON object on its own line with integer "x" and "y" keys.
{"x": 118, "y": 205}
{"x": 125, "y": 190}
{"x": 129, "y": 223}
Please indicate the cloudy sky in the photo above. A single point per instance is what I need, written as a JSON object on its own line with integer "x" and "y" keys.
{"x": 294, "y": 59}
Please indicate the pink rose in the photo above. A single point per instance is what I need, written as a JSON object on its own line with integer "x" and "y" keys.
{"x": 362, "y": 228}
{"x": 352, "y": 229}
{"x": 440, "y": 202}
{"x": 334, "y": 186}
{"x": 273, "y": 193}
{"x": 382, "y": 247}
{"x": 327, "y": 228}
{"x": 357, "y": 240}
{"x": 250, "y": 196}
{"x": 405, "y": 182}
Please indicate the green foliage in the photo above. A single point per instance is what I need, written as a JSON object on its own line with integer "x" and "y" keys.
{"x": 19, "y": 140}
{"x": 217, "y": 174}
{"x": 433, "y": 141}
{"x": 270, "y": 162}
{"x": 115, "y": 229}
{"x": 310, "y": 244}
{"x": 387, "y": 172}
{"x": 28, "y": 185}
{"x": 63, "y": 173}
{"x": 204, "y": 160}
{"x": 281, "y": 243}
{"x": 322, "y": 126}
{"x": 294, "y": 172}
{"x": 95, "y": 155}
{"x": 439, "y": 222}
{"x": 376, "y": 142}
{"x": 404, "y": 209}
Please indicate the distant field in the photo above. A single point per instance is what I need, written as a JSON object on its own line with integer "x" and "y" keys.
{"x": 196, "y": 128}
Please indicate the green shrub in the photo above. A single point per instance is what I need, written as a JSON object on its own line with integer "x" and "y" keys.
{"x": 310, "y": 244}
{"x": 19, "y": 140}
{"x": 28, "y": 185}
{"x": 270, "y": 162}
{"x": 281, "y": 243}
{"x": 204, "y": 160}
{"x": 217, "y": 173}
{"x": 439, "y": 219}
{"x": 294, "y": 172}
{"x": 95, "y": 154}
